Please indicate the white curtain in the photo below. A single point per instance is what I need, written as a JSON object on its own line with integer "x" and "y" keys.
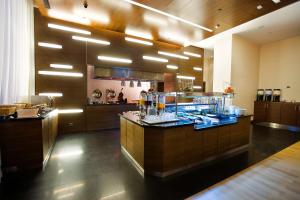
{"x": 16, "y": 51}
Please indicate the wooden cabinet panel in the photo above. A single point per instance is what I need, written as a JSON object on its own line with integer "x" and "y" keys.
{"x": 273, "y": 112}
{"x": 129, "y": 137}
{"x": 194, "y": 146}
{"x": 224, "y": 138}
{"x": 138, "y": 147}
{"x": 45, "y": 135}
{"x": 240, "y": 132}
{"x": 123, "y": 132}
{"x": 298, "y": 115}
{"x": 260, "y": 112}
{"x": 288, "y": 114}
{"x": 210, "y": 142}
{"x": 174, "y": 148}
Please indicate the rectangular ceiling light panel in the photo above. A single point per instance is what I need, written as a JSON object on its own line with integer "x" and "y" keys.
{"x": 152, "y": 58}
{"x": 56, "y": 73}
{"x": 50, "y": 45}
{"x": 114, "y": 59}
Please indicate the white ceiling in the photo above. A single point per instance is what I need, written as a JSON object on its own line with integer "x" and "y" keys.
{"x": 277, "y": 25}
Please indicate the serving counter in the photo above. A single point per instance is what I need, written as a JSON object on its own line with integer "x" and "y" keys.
{"x": 168, "y": 148}
{"x": 26, "y": 143}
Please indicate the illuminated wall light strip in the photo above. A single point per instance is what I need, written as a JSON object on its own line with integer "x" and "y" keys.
{"x": 50, "y": 45}
{"x": 67, "y": 17}
{"x": 197, "y": 68}
{"x": 56, "y": 73}
{"x": 139, "y": 34}
{"x": 186, "y": 77}
{"x": 168, "y": 15}
{"x": 51, "y": 94}
{"x": 192, "y": 54}
{"x": 69, "y": 29}
{"x": 173, "y": 55}
{"x": 155, "y": 59}
{"x": 172, "y": 67}
{"x": 197, "y": 87}
{"x": 85, "y": 39}
{"x": 61, "y": 66}
{"x": 70, "y": 111}
{"x": 138, "y": 41}
{"x": 114, "y": 59}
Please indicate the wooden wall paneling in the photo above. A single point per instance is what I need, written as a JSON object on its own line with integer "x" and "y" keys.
{"x": 288, "y": 114}
{"x": 73, "y": 88}
{"x": 79, "y": 54}
{"x": 273, "y": 112}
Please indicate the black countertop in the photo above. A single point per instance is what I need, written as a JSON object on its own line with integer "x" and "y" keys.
{"x": 135, "y": 118}
{"x": 40, "y": 116}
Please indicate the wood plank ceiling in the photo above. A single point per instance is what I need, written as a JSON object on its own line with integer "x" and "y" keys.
{"x": 119, "y": 15}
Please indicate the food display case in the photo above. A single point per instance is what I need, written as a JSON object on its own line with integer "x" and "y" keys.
{"x": 199, "y": 108}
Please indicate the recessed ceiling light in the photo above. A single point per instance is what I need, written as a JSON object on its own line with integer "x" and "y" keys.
{"x": 51, "y": 94}
{"x": 186, "y": 77}
{"x": 99, "y": 16}
{"x": 155, "y": 20}
{"x": 192, "y": 54}
{"x": 259, "y": 7}
{"x": 61, "y": 66}
{"x": 197, "y": 68}
{"x": 155, "y": 59}
{"x": 276, "y": 1}
{"x": 172, "y": 67}
{"x": 168, "y": 15}
{"x": 50, "y": 45}
{"x": 217, "y": 26}
{"x": 56, "y": 73}
{"x": 173, "y": 55}
{"x": 69, "y": 29}
{"x": 138, "y": 41}
{"x": 68, "y": 17}
{"x": 138, "y": 33}
{"x": 114, "y": 59}
{"x": 92, "y": 40}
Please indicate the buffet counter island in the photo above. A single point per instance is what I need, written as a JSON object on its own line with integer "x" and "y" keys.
{"x": 164, "y": 139}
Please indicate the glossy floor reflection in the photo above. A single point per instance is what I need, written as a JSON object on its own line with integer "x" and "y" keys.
{"x": 90, "y": 166}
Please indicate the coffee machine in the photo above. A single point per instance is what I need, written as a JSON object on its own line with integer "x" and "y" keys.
{"x": 268, "y": 94}
{"x": 276, "y": 95}
{"x": 260, "y": 95}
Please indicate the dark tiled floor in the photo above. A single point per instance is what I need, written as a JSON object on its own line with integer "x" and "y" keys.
{"x": 91, "y": 166}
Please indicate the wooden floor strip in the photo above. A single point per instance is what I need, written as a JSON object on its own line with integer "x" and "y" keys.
{"x": 277, "y": 177}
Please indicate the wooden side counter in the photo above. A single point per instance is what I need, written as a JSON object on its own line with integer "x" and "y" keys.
{"x": 165, "y": 151}
{"x": 26, "y": 144}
